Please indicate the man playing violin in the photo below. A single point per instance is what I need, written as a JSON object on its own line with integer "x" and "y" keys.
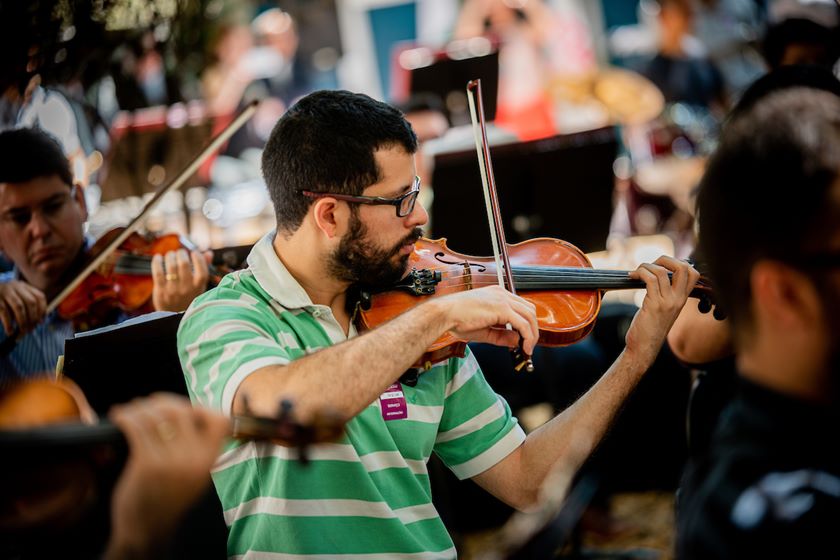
{"x": 42, "y": 216}
{"x": 340, "y": 170}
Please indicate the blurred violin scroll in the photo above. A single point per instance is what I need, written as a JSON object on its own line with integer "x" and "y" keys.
{"x": 152, "y": 458}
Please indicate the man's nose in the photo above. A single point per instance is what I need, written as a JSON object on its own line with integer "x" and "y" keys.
{"x": 418, "y": 216}
{"x": 39, "y": 226}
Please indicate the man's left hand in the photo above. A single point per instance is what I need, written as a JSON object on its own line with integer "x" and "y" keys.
{"x": 179, "y": 277}
{"x": 663, "y": 301}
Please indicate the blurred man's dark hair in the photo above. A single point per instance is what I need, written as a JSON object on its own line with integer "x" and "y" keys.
{"x": 771, "y": 191}
{"x": 801, "y": 41}
{"x": 30, "y": 153}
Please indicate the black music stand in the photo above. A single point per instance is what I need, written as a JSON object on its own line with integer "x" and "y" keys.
{"x": 444, "y": 75}
{"x": 560, "y": 187}
{"x": 115, "y": 364}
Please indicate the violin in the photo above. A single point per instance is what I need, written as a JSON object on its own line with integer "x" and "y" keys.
{"x": 119, "y": 239}
{"x": 554, "y": 275}
{"x": 123, "y": 282}
{"x": 65, "y": 459}
{"x": 119, "y": 247}
{"x": 36, "y": 410}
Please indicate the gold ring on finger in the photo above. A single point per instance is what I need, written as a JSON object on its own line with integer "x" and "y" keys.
{"x": 166, "y": 430}
{"x": 171, "y": 276}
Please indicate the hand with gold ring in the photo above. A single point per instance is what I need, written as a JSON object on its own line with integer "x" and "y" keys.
{"x": 179, "y": 277}
{"x": 172, "y": 447}
{"x": 166, "y": 430}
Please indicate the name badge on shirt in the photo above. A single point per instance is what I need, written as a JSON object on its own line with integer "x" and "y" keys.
{"x": 393, "y": 404}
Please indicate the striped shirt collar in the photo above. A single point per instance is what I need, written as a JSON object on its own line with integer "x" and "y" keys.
{"x": 274, "y": 277}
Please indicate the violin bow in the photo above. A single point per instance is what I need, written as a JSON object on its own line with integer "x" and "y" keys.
{"x": 494, "y": 214}
{"x": 211, "y": 147}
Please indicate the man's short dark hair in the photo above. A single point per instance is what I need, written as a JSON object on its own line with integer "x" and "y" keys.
{"x": 326, "y": 142}
{"x": 30, "y": 153}
{"x": 769, "y": 191}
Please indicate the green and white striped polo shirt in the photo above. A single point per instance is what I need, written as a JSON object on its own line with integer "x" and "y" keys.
{"x": 366, "y": 496}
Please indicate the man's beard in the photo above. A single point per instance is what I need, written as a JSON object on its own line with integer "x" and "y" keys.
{"x": 359, "y": 262}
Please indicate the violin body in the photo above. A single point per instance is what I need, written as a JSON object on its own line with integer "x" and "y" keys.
{"x": 122, "y": 283}
{"x": 564, "y": 316}
{"x": 555, "y": 276}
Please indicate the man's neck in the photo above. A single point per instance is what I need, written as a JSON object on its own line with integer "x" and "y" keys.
{"x": 794, "y": 374}
{"x": 308, "y": 267}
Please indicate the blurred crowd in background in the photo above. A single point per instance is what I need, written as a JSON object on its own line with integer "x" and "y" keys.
{"x": 131, "y": 90}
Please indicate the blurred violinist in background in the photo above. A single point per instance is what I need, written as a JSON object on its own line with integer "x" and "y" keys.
{"x": 42, "y": 217}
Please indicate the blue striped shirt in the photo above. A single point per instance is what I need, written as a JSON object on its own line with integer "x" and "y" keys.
{"x": 38, "y": 351}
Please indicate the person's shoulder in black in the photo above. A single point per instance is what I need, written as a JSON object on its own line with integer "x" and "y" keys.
{"x": 769, "y": 486}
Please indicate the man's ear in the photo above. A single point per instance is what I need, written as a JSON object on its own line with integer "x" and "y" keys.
{"x": 331, "y": 216}
{"x": 784, "y": 295}
{"x": 80, "y": 199}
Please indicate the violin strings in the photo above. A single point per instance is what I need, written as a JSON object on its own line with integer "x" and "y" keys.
{"x": 541, "y": 277}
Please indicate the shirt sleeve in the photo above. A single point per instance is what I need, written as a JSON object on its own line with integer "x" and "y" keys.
{"x": 477, "y": 429}
{"x": 224, "y": 337}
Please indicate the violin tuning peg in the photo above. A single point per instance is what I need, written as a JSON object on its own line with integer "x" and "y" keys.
{"x": 704, "y": 305}
{"x": 719, "y": 313}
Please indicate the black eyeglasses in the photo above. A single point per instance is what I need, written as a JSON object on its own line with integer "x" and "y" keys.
{"x": 404, "y": 204}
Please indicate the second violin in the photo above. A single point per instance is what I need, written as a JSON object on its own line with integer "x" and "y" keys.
{"x": 123, "y": 282}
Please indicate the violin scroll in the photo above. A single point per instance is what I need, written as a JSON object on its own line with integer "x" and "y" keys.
{"x": 706, "y": 303}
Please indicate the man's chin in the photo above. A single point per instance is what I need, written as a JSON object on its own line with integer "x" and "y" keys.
{"x": 402, "y": 264}
{"x": 47, "y": 273}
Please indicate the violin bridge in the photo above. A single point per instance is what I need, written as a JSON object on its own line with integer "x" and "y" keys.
{"x": 468, "y": 274}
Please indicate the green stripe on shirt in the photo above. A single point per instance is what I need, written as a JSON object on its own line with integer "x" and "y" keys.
{"x": 367, "y": 494}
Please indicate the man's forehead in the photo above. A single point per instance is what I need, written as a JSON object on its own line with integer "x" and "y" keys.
{"x": 396, "y": 168}
{"x": 39, "y": 188}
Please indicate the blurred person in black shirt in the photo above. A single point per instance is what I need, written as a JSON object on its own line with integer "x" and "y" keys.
{"x": 699, "y": 339}
{"x": 768, "y": 208}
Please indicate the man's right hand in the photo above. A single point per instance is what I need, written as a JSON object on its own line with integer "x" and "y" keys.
{"x": 480, "y": 316}
{"x": 21, "y": 305}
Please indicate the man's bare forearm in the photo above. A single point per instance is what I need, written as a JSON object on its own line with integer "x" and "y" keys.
{"x": 570, "y": 437}
{"x": 347, "y": 377}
